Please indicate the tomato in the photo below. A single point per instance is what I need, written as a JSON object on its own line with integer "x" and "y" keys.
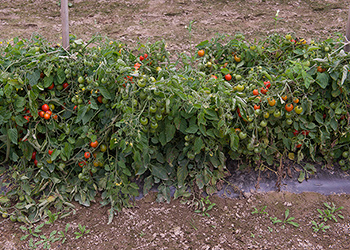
{"x": 49, "y": 112}
{"x": 87, "y": 155}
{"x": 284, "y": 97}
{"x": 267, "y": 84}
{"x": 289, "y": 107}
{"x": 159, "y": 117}
{"x": 154, "y": 125}
{"x": 65, "y": 85}
{"x": 36, "y": 162}
{"x": 145, "y": 56}
{"x": 228, "y": 77}
{"x": 82, "y": 164}
{"x": 103, "y": 148}
{"x": 256, "y": 107}
{"x": 289, "y": 121}
{"x": 295, "y": 100}
{"x": 52, "y": 107}
{"x": 263, "y": 123}
{"x": 295, "y": 132}
{"x": 324, "y": 116}
{"x": 81, "y": 80}
{"x": 144, "y": 121}
{"x": 51, "y": 87}
{"x": 288, "y": 115}
{"x": 142, "y": 58}
{"x": 50, "y": 152}
{"x": 27, "y": 118}
{"x": 298, "y": 145}
{"x": 45, "y": 107}
{"x": 214, "y": 76}
{"x": 237, "y": 58}
{"x": 277, "y": 113}
{"x": 153, "y": 109}
{"x": 242, "y": 135}
{"x": 255, "y": 92}
{"x": 238, "y": 77}
{"x": 345, "y": 154}
{"x": 266, "y": 115}
{"x": 47, "y": 116}
{"x": 99, "y": 99}
{"x": 41, "y": 114}
{"x": 94, "y": 144}
{"x": 288, "y": 37}
{"x": 240, "y": 87}
{"x": 320, "y": 69}
{"x": 271, "y": 102}
{"x": 263, "y": 90}
{"x": 141, "y": 83}
{"x": 61, "y": 166}
{"x": 201, "y": 53}
{"x": 34, "y": 155}
{"x": 257, "y": 112}
{"x": 305, "y": 132}
{"x": 298, "y": 109}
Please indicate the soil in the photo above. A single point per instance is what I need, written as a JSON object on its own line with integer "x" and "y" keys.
{"x": 151, "y": 225}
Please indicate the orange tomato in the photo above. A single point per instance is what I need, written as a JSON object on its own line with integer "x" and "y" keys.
{"x": 201, "y": 53}
{"x": 271, "y": 102}
{"x": 289, "y": 107}
{"x": 284, "y": 97}
{"x": 94, "y": 144}
{"x": 256, "y": 107}
{"x": 295, "y": 100}
{"x": 255, "y": 92}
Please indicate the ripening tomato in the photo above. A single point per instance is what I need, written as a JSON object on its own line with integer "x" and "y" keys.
{"x": 201, "y": 53}
{"x": 271, "y": 101}
{"x": 295, "y": 100}
{"x": 228, "y": 77}
{"x": 263, "y": 90}
{"x": 298, "y": 109}
{"x": 289, "y": 107}
{"x": 256, "y": 107}
{"x": 237, "y": 58}
{"x": 94, "y": 144}
{"x": 267, "y": 84}
{"x": 284, "y": 97}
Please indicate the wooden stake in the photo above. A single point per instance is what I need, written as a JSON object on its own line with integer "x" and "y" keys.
{"x": 347, "y": 47}
{"x": 65, "y": 24}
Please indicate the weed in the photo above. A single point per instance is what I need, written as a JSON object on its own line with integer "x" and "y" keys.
{"x": 286, "y": 220}
{"x": 317, "y": 227}
{"x": 82, "y": 230}
{"x": 262, "y": 211}
{"x": 330, "y": 213}
{"x": 204, "y": 205}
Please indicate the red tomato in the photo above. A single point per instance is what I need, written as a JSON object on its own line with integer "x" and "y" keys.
{"x": 295, "y": 132}
{"x": 263, "y": 90}
{"x": 267, "y": 84}
{"x": 65, "y": 85}
{"x": 34, "y": 155}
{"x": 228, "y": 77}
{"x": 45, "y": 107}
{"x": 27, "y": 118}
{"x": 142, "y": 58}
{"x": 145, "y": 56}
{"x": 51, "y": 87}
{"x": 50, "y": 152}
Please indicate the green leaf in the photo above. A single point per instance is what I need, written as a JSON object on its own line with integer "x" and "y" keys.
{"x": 160, "y": 172}
{"x": 148, "y": 184}
{"x": 334, "y": 124}
{"x": 301, "y": 176}
{"x": 182, "y": 173}
{"x": 198, "y": 144}
{"x": 61, "y": 76}
{"x": 225, "y": 71}
{"x": 322, "y": 79}
{"x": 234, "y": 140}
{"x": 193, "y": 128}
{"x": 169, "y": 131}
{"x": 105, "y": 93}
{"x": 202, "y": 44}
{"x": 319, "y": 117}
{"x": 13, "y": 135}
{"x": 311, "y": 125}
{"x": 33, "y": 77}
{"x": 81, "y": 113}
{"x": 48, "y": 80}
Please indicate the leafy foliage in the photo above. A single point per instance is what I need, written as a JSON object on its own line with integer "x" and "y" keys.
{"x": 121, "y": 115}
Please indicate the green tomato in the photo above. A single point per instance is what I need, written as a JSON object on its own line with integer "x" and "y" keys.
{"x": 342, "y": 163}
{"x": 277, "y": 113}
{"x": 345, "y": 154}
{"x": 81, "y": 79}
{"x": 141, "y": 83}
{"x": 154, "y": 125}
{"x": 240, "y": 88}
{"x": 333, "y": 105}
{"x": 159, "y": 117}
{"x": 242, "y": 135}
{"x": 153, "y": 109}
{"x": 144, "y": 121}
{"x": 263, "y": 123}
{"x": 288, "y": 115}
{"x": 238, "y": 77}
{"x": 289, "y": 121}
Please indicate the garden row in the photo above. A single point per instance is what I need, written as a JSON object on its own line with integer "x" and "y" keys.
{"x": 101, "y": 117}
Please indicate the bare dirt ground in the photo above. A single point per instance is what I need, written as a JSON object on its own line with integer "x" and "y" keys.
{"x": 150, "y": 225}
